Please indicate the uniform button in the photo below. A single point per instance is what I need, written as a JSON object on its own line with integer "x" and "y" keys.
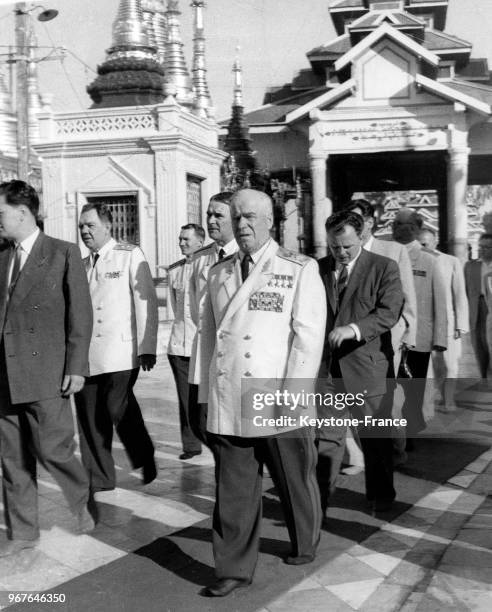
{"x": 98, "y": 335}
{"x": 99, "y": 320}
{"x": 35, "y": 353}
{"x": 248, "y": 374}
{"x": 247, "y": 355}
{"x": 220, "y": 354}
{"x": 221, "y": 335}
{"x": 35, "y": 307}
{"x": 220, "y": 373}
{"x": 98, "y": 308}
{"x": 247, "y": 337}
{"x": 31, "y": 330}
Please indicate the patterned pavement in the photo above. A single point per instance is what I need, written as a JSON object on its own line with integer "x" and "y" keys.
{"x": 151, "y": 549}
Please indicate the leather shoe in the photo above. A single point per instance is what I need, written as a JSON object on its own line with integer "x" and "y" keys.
{"x": 12, "y": 547}
{"x": 300, "y": 560}
{"x": 85, "y": 522}
{"x": 189, "y": 455}
{"x": 224, "y": 586}
{"x": 382, "y": 505}
{"x": 149, "y": 472}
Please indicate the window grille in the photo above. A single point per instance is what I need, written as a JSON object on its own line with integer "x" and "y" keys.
{"x": 194, "y": 199}
{"x": 124, "y": 209}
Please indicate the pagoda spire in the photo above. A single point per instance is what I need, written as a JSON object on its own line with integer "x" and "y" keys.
{"x": 155, "y": 21}
{"x": 237, "y": 142}
{"x": 33, "y": 98}
{"x": 177, "y": 77}
{"x": 131, "y": 74}
{"x": 203, "y": 101}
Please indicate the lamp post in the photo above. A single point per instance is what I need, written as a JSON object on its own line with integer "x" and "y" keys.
{"x": 22, "y": 15}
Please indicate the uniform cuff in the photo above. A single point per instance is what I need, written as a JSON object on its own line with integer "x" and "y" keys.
{"x": 356, "y": 331}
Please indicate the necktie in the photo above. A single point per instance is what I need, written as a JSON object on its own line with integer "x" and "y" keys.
{"x": 245, "y": 266}
{"x": 94, "y": 259}
{"x": 342, "y": 283}
{"x": 221, "y": 254}
{"x": 16, "y": 268}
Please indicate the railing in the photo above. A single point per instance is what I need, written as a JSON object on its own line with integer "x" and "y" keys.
{"x": 125, "y": 121}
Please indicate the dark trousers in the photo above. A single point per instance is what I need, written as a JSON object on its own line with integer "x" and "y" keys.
{"x": 479, "y": 338}
{"x": 42, "y": 431}
{"x": 108, "y": 400}
{"x": 291, "y": 458}
{"x": 418, "y": 364}
{"x": 180, "y": 367}
{"x": 376, "y": 443}
{"x": 198, "y": 416}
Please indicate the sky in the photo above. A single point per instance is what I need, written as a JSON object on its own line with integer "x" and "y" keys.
{"x": 273, "y": 35}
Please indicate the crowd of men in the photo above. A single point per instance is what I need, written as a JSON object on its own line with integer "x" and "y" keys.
{"x": 246, "y": 311}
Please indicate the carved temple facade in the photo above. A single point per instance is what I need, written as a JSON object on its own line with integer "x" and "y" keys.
{"x": 393, "y": 104}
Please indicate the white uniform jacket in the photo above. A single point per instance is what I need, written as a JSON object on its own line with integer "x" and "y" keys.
{"x": 124, "y": 305}
{"x": 183, "y": 329}
{"x": 430, "y": 289}
{"x": 406, "y": 328}
{"x": 203, "y": 260}
{"x": 272, "y": 326}
{"x": 456, "y": 300}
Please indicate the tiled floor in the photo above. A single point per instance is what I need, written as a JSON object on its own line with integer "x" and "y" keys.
{"x": 150, "y": 550}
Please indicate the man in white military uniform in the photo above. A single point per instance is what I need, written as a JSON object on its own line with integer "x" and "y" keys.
{"x": 264, "y": 317}
{"x": 124, "y": 338}
{"x": 219, "y": 227}
{"x": 432, "y": 321}
{"x": 183, "y": 333}
{"x": 446, "y": 362}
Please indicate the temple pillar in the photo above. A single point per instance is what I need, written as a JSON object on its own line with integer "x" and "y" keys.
{"x": 322, "y": 204}
{"x": 457, "y": 218}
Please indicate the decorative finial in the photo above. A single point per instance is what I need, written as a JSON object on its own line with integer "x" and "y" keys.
{"x": 203, "y": 102}
{"x": 238, "y": 80}
{"x": 155, "y": 21}
{"x": 129, "y": 30}
{"x": 175, "y": 69}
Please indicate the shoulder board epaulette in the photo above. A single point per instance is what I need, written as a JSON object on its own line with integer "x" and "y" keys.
{"x": 297, "y": 258}
{"x": 430, "y": 251}
{"x": 124, "y": 246}
{"x": 228, "y": 258}
{"x": 204, "y": 250}
{"x": 177, "y": 264}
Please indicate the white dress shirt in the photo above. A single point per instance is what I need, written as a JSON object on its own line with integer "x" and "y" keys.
{"x": 25, "y": 248}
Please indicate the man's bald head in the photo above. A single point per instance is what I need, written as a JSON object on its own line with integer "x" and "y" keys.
{"x": 407, "y": 225}
{"x": 252, "y": 218}
{"x": 428, "y": 239}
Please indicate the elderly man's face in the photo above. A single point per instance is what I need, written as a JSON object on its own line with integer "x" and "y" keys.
{"x": 345, "y": 245}
{"x": 428, "y": 240}
{"x": 251, "y": 221}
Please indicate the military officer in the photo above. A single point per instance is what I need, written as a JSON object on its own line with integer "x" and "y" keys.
{"x": 183, "y": 333}
{"x": 124, "y": 339}
{"x": 219, "y": 227}
{"x": 445, "y": 363}
{"x": 259, "y": 293}
{"x": 432, "y": 321}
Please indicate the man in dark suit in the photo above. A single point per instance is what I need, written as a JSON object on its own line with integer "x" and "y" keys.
{"x": 46, "y": 322}
{"x": 365, "y": 300}
{"x": 478, "y": 280}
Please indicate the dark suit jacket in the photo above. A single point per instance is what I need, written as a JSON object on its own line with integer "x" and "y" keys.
{"x": 373, "y": 300}
{"x": 47, "y": 323}
{"x": 473, "y": 282}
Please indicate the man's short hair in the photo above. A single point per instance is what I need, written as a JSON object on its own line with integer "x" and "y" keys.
{"x": 486, "y": 236}
{"x": 20, "y": 193}
{"x": 366, "y": 208}
{"x": 198, "y": 229}
{"x": 103, "y": 211}
{"x": 337, "y": 221}
{"x": 224, "y": 197}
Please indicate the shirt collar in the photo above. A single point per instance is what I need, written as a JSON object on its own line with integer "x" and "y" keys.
{"x": 27, "y": 244}
{"x": 257, "y": 254}
{"x": 229, "y": 248}
{"x": 108, "y": 246}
